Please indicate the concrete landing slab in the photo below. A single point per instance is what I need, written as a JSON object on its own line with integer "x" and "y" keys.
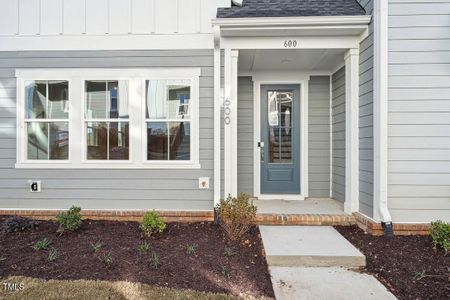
{"x": 309, "y": 246}
{"x": 319, "y": 206}
{"x": 326, "y": 283}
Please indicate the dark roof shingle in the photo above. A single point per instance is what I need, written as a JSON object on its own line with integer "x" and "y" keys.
{"x": 292, "y": 8}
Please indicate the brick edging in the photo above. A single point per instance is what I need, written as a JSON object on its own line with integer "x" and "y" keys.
{"x": 110, "y": 215}
{"x": 304, "y": 219}
{"x": 374, "y": 228}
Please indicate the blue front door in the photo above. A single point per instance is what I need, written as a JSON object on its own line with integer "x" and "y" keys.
{"x": 280, "y": 137}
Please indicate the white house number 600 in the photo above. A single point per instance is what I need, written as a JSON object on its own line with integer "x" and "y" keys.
{"x": 290, "y": 43}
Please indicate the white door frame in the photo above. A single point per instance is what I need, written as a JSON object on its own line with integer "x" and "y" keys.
{"x": 282, "y": 77}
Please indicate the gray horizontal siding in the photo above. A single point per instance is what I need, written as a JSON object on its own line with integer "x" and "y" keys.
{"x": 105, "y": 189}
{"x": 245, "y": 135}
{"x": 319, "y": 136}
{"x": 419, "y": 110}
{"x": 338, "y": 135}
{"x": 366, "y": 119}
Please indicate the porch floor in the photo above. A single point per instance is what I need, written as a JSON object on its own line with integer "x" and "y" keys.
{"x": 324, "y": 206}
{"x": 311, "y": 211}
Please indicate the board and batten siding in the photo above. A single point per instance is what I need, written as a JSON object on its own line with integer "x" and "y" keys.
{"x": 366, "y": 118}
{"x": 111, "y": 17}
{"x": 338, "y": 135}
{"x": 105, "y": 188}
{"x": 319, "y": 136}
{"x": 419, "y": 110}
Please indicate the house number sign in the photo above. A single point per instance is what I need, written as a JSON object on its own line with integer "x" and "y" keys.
{"x": 290, "y": 43}
{"x": 227, "y": 112}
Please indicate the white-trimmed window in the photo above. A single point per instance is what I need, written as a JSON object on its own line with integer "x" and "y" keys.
{"x": 108, "y": 118}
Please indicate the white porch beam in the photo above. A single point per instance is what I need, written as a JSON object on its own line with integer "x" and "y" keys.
{"x": 230, "y": 122}
{"x": 302, "y": 42}
{"x": 351, "y": 131}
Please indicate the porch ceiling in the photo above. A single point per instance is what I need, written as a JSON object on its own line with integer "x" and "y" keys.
{"x": 290, "y": 59}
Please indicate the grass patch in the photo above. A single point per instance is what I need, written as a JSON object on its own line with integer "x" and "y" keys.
{"x": 87, "y": 289}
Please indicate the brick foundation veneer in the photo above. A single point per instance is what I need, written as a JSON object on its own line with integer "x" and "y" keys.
{"x": 307, "y": 219}
{"x": 374, "y": 228}
{"x": 168, "y": 216}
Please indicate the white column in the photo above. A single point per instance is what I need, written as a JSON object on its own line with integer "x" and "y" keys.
{"x": 217, "y": 116}
{"x": 230, "y": 122}
{"x": 351, "y": 131}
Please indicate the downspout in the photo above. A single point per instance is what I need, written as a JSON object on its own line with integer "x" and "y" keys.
{"x": 217, "y": 119}
{"x": 381, "y": 210}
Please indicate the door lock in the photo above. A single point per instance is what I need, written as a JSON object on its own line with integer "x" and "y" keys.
{"x": 261, "y": 144}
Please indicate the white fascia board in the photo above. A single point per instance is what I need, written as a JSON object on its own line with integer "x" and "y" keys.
{"x": 289, "y": 21}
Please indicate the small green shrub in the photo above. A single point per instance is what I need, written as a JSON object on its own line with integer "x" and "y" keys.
{"x": 52, "y": 255}
{"x": 226, "y": 272}
{"x": 96, "y": 246}
{"x": 42, "y": 244}
{"x": 70, "y": 220}
{"x": 237, "y": 215}
{"x": 191, "y": 248}
{"x": 107, "y": 259}
{"x": 154, "y": 260}
{"x": 152, "y": 223}
{"x": 228, "y": 251}
{"x": 440, "y": 233}
{"x": 144, "y": 247}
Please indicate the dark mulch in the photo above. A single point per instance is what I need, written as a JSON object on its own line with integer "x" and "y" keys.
{"x": 407, "y": 265}
{"x": 202, "y": 271}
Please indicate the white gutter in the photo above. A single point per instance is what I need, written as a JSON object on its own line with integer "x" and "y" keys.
{"x": 298, "y": 21}
{"x": 380, "y": 106}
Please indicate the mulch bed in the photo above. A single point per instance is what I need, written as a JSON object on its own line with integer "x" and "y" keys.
{"x": 407, "y": 265}
{"x": 202, "y": 271}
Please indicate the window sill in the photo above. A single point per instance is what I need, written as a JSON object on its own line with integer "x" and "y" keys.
{"x": 107, "y": 165}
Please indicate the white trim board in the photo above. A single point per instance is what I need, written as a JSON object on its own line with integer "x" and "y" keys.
{"x": 107, "y": 42}
{"x": 282, "y": 77}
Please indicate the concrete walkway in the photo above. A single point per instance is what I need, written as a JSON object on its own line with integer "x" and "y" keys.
{"x": 314, "y": 262}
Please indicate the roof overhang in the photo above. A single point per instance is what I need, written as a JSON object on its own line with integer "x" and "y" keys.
{"x": 293, "y": 26}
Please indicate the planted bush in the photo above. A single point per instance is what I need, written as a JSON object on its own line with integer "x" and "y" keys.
{"x": 69, "y": 220}
{"x": 237, "y": 215}
{"x": 440, "y": 233}
{"x": 152, "y": 223}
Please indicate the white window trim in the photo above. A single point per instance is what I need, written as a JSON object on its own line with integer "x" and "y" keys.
{"x": 137, "y": 150}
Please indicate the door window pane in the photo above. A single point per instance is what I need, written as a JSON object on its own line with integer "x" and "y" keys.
{"x": 280, "y": 126}
{"x": 157, "y": 141}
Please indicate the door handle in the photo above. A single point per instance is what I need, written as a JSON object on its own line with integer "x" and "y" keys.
{"x": 261, "y": 148}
